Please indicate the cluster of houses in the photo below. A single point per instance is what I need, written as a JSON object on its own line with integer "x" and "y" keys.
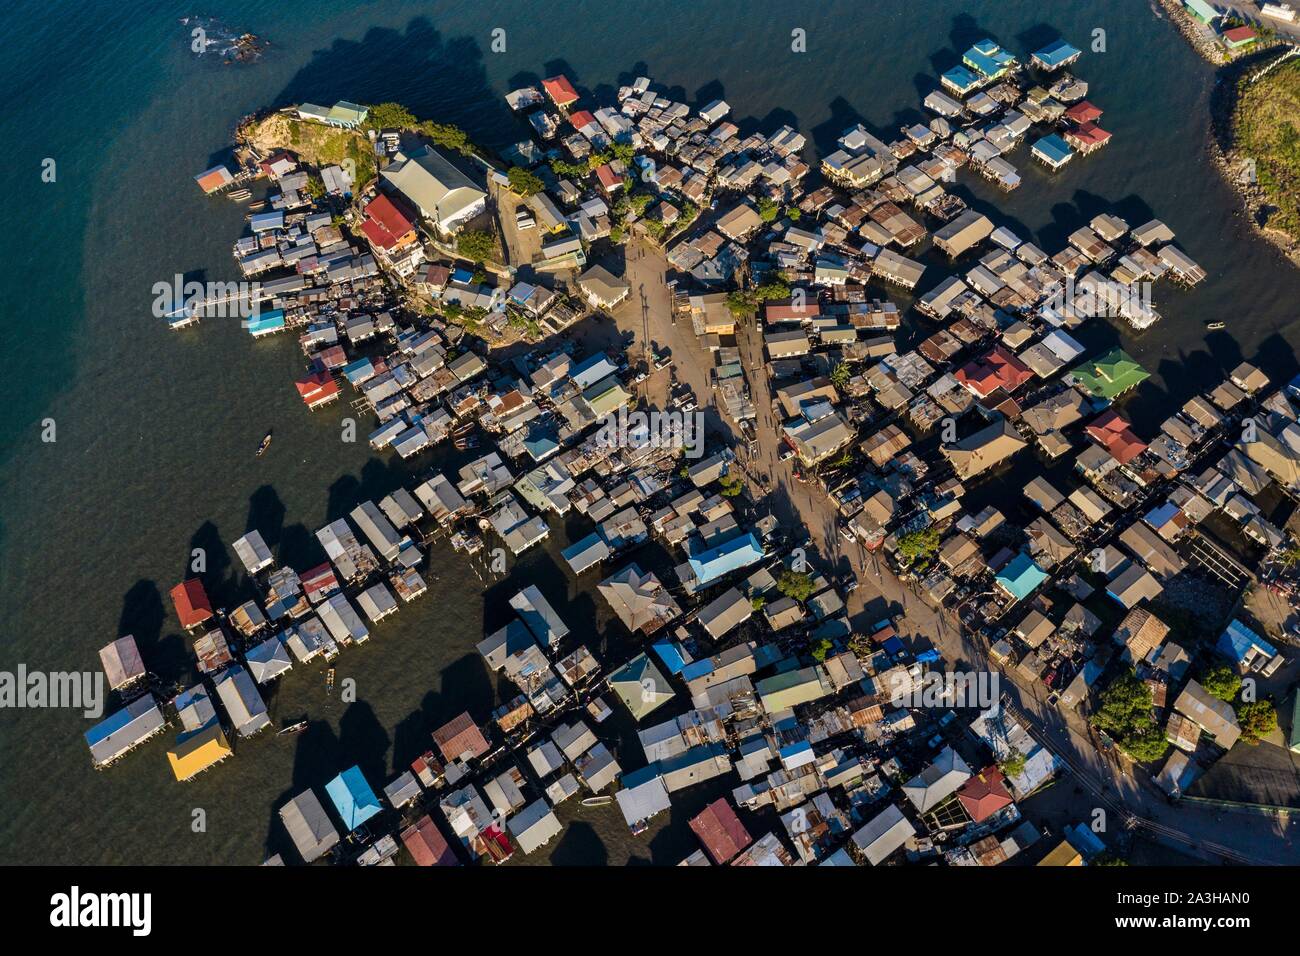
{"x": 819, "y": 724}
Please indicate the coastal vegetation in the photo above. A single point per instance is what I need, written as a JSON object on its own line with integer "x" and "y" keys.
{"x": 315, "y": 143}
{"x": 448, "y": 136}
{"x": 743, "y": 302}
{"x": 1266, "y": 131}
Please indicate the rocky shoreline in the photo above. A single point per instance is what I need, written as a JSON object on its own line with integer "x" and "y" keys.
{"x": 1233, "y": 164}
{"x": 1190, "y": 29}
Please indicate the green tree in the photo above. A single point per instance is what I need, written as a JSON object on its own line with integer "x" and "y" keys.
{"x": 1124, "y": 712}
{"x": 732, "y": 485}
{"x": 821, "y": 649}
{"x": 739, "y": 304}
{"x": 524, "y": 181}
{"x": 448, "y": 136}
{"x": 795, "y": 584}
{"x": 840, "y": 376}
{"x": 758, "y": 602}
{"x": 477, "y": 245}
{"x": 1221, "y": 681}
{"x": 1258, "y": 719}
{"x": 315, "y": 188}
{"x": 391, "y": 116}
{"x": 1014, "y": 764}
{"x": 767, "y": 209}
{"x": 919, "y": 545}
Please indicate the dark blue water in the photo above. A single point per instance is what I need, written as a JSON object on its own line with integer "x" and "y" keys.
{"x": 155, "y": 429}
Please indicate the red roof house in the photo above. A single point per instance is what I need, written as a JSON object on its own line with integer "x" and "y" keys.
{"x": 610, "y": 181}
{"x": 460, "y": 738}
{"x": 1112, "y": 432}
{"x": 582, "y": 119}
{"x": 320, "y": 582}
{"x": 984, "y": 794}
{"x": 560, "y": 90}
{"x": 721, "y": 831}
{"x": 192, "y": 604}
{"x": 1239, "y": 35}
{"x": 385, "y": 225}
{"x": 317, "y": 389}
{"x": 998, "y": 369}
{"x": 214, "y": 179}
{"x": 278, "y": 164}
{"x": 1087, "y": 137}
{"x": 1083, "y": 112}
{"x": 427, "y": 845}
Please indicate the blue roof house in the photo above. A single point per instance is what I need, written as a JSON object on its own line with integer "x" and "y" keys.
{"x": 1056, "y": 55}
{"x": 988, "y": 59}
{"x": 1020, "y": 577}
{"x": 961, "y": 80}
{"x": 264, "y": 323}
{"x": 710, "y": 564}
{"x": 1052, "y": 151}
{"x": 1246, "y": 649}
{"x": 353, "y": 798}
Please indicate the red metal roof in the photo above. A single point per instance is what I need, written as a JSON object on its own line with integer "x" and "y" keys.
{"x": 191, "y": 601}
{"x": 984, "y": 794}
{"x": 427, "y": 844}
{"x": 385, "y": 225}
{"x": 320, "y": 579}
{"x": 317, "y": 388}
{"x": 1088, "y": 134}
{"x": 997, "y": 369}
{"x": 721, "y": 831}
{"x": 1238, "y": 34}
{"x": 1083, "y": 112}
{"x": 1112, "y": 431}
{"x": 581, "y": 118}
{"x": 559, "y": 89}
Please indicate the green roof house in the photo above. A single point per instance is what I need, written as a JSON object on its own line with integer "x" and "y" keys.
{"x": 1111, "y": 375}
{"x": 342, "y": 114}
{"x": 640, "y": 686}
{"x": 1201, "y": 10}
{"x": 1293, "y": 731}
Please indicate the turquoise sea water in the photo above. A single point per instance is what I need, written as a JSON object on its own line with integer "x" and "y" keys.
{"x": 155, "y": 430}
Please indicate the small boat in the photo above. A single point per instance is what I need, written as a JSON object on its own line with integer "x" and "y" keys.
{"x": 266, "y": 443}
{"x": 292, "y": 728}
{"x": 329, "y": 681}
{"x": 1214, "y": 326}
{"x": 602, "y": 801}
{"x": 239, "y": 195}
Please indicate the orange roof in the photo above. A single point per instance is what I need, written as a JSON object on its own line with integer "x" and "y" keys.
{"x": 559, "y": 89}
{"x": 1112, "y": 432}
{"x": 191, "y": 601}
{"x": 997, "y": 369}
{"x": 581, "y": 118}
